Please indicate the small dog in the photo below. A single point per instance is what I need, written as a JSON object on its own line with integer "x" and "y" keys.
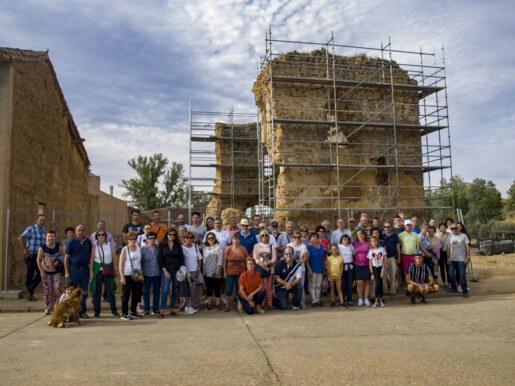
{"x": 67, "y": 310}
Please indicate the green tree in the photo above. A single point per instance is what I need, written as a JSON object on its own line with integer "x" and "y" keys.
{"x": 485, "y": 202}
{"x": 510, "y": 203}
{"x": 155, "y": 186}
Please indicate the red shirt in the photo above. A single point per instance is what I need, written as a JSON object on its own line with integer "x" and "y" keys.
{"x": 250, "y": 282}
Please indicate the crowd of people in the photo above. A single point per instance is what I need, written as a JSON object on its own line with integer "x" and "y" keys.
{"x": 251, "y": 267}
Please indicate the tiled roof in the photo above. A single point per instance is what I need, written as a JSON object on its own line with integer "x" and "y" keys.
{"x": 18, "y": 55}
{"x": 23, "y": 55}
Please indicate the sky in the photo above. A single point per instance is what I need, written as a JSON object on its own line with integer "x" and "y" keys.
{"x": 128, "y": 69}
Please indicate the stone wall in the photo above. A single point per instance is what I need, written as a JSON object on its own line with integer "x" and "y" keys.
{"x": 313, "y": 101}
{"x": 49, "y": 171}
{"x": 245, "y": 158}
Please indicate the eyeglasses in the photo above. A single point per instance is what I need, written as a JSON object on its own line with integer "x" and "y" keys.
{"x": 261, "y": 228}
{"x": 387, "y": 226}
{"x": 188, "y": 237}
{"x": 244, "y": 225}
{"x": 264, "y": 235}
{"x": 133, "y": 239}
{"x": 210, "y": 238}
{"x": 151, "y": 238}
{"x": 296, "y": 237}
{"x": 171, "y": 234}
{"x": 289, "y": 253}
{"x": 101, "y": 234}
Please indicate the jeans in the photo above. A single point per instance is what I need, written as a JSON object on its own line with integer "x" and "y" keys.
{"x": 80, "y": 277}
{"x": 231, "y": 281}
{"x": 165, "y": 285}
{"x": 33, "y": 277}
{"x": 258, "y": 298}
{"x": 106, "y": 281}
{"x": 281, "y": 301}
{"x": 153, "y": 282}
{"x": 347, "y": 279}
{"x": 462, "y": 270}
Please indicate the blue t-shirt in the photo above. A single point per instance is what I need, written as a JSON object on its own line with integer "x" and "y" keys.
{"x": 316, "y": 257}
{"x": 416, "y": 230}
{"x": 79, "y": 252}
{"x": 248, "y": 241}
{"x": 390, "y": 244}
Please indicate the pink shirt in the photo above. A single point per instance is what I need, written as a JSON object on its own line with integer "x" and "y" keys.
{"x": 361, "y": 248}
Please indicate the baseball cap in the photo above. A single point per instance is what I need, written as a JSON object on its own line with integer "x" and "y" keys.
{"x": 274, "y": 224}
{"x": 408, "y": 222}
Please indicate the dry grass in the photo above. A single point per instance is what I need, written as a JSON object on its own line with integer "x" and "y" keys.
{"x": 496, "y": 265}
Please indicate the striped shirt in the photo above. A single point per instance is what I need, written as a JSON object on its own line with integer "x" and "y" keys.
{"x": 289, "y": 273}
{"x": 420, "y": 274}
{"x": 35, "y": 237}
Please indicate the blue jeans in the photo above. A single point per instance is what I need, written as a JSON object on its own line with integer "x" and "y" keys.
{"x": 462, "y": 271}
{"x": 155, "y": 283}
{"x": 347, "y": 277}
{"x": 33, "y": 277}
{"x": 281, "y": 301}
{"x": 80, "y": 277}
{"x": 165, "y": 283}
{"x": 258, "y": 299}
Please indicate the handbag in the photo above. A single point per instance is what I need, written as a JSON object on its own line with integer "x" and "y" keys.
{"x": 325, "y": 283}
{"x": 200, "y": 278}
{"x": 136, "y": 274}
{"x": 106, "y": 271}
{"x": 183, "y": 289}
{"x": 263, "y": 272}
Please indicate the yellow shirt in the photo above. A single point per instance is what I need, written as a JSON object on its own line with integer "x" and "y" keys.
{"x": 335, "y": 263}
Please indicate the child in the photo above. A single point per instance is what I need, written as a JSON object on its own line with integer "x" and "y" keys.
{"x": 334, "y": 273}
{"x": 377, "y": 261}
{"x": 347, "y": 252}
{"x": 69, "y": 289}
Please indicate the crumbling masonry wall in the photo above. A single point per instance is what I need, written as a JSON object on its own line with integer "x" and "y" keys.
{"x": 369, "y": 189}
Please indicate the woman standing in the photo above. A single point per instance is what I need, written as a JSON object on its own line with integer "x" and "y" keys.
{"x": 213, "y": 261}
{"x": 152, "y": 275}
{"x": 301, "y": 256}
{"x": 316, "y": 269}
{"x": 51, "y": 277}
{"x": 265, "y": 257}
{"x": 322, "y": 239}
{"x": 193, "y": 262}
{"x": 102, "y": 271}
{"x": 304, "y": 235}
{"x": 444, "y": 237}
{"x": 234, "y": 266}
{"x": 130, "y": 259}
{"x": 170, "y": 258}
{"x": 361, "y": 267}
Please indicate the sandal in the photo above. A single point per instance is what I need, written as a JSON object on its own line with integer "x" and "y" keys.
{"x": 173, "y": 313}
{"x": 227, "y": 310}
{"x": 208, "y": 307}
{"x": 160, "y": 316}
{"x": 218, "y": 308}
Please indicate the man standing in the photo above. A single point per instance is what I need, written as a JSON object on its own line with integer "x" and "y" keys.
{"x": 31, "y": 240}
{"x": 352, "y": 228}
{"x": 419, "y": 280}
{"x": 274, "y": 233}
{"x": 458, "y": 252}
{"x": 376, "y": 223}
{"x": 76, "y": 263}
{"x": 101, "y": 226}
{"x": 398, "y": 228}
{"x": 393, "y": 252}
{"x": 409, "y": 242}
{"x": 255, "y": 227}
{"x": 415, "y": 227}
{"x": 338, "y": 233}
{"x": 157, "y": 226}
{"x": 286, "y": 237}
{"x": 233, "y": 225}
{"x": 135, "y": 225}
{"x": 247, "y": 239}
{"x": 180, "y": 220}
{"x": 196, "y": 228}
{"x": 287, "y": 280}
{"x": 327, "y": 226}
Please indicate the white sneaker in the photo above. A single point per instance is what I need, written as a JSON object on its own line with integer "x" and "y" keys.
{"x": 381, "y": 304}
{"x": 375, "y": 305}
{"x": 139, "y": 308}
{"x": 458, "y": 288}
{"x": 360, "y": 302}
{"x": 295, "y": 308}
{"x": 367, "y": 303}
{"x": 189, "y": 310}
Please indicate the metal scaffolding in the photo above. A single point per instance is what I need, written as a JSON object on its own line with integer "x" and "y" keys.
{"x": 289, "y": 62}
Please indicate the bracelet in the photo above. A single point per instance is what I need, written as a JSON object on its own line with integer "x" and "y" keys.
{"x": 383, "y": 270}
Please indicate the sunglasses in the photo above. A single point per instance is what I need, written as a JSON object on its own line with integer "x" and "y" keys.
{"x": 171, "y": 234}
{"x": 264, "y": 235}
{"x": 210, "y": 238}
{"x": 261, "y": 228}
{"x": 188, "y": 237}
{"x": 387, "y": 226}
{"x": 289, "y": 253}
{"x": 296, "y": 237}
{"x": 101, "y": 234}
{"x": 132, "y": 239}
{"x": 151, "y": 238}
{"x": 244, "y": 225}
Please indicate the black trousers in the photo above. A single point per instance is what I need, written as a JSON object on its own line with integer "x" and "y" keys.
{"x": 212, "y": 285}
{"x": 379, "y": 282}
{"x": 33, "y": 277}
{"x": 132, "y": 289}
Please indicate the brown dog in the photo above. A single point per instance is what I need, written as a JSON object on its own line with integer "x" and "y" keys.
{"x": 67, "y": 310}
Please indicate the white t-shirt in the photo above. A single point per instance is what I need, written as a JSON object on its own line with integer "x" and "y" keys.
{"x": 135, "y": 257}
{"x": 377, "y": 256}
{"x": 223, "y": 237}
{"x": 142, "y": 241}
{"x": 106, "y": 248}
{"x": 347, "y": 252}
{"x": 191, "y": 257}
{"x": 336, "y": 236}
{"x": 458, "y": 245}
{"x": 299, "y": 252}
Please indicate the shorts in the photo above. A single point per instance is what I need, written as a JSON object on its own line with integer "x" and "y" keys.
{"x": 361, "y": 272}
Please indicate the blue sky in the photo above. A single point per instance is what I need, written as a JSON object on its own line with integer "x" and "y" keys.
{"x": 129, "y": 68}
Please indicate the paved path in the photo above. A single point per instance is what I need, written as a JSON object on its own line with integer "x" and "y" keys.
{"x": 449, "y": 341}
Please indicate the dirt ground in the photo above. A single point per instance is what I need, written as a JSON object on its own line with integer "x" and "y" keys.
{"x": 451, "y": 340}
